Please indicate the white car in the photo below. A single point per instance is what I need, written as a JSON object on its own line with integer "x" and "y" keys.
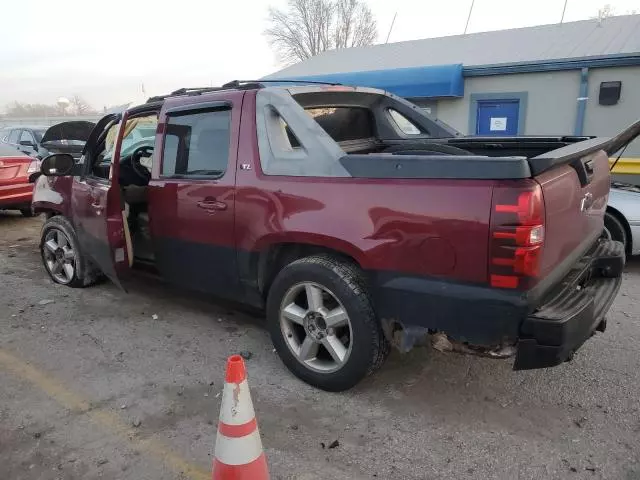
{"x": 622, "y": 220}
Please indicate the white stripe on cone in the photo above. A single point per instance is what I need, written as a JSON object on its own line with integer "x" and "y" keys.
{"x": 238, "y": 451}
{"x": 237, "y": 408}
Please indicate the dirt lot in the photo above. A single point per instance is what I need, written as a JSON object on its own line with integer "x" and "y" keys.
{"x": 92, "y": 386}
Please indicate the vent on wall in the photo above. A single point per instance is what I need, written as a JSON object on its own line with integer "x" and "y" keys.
{"x": 609, "y": 93}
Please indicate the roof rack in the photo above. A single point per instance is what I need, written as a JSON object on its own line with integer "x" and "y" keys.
{"x": 201, "y": 90}
{"x": 238, "y": 83}
{"x": 234, "y": 84}
{"x": 184, "y": 91}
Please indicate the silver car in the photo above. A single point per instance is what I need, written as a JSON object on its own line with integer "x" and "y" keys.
{"x": 622, "y": 220}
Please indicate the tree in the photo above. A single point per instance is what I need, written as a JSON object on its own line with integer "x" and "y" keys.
{"x": 605, "y": 12}
{"x": 608, "y": 11}
{"x": 309, "y": 27}
{"x": 18, "y": 109}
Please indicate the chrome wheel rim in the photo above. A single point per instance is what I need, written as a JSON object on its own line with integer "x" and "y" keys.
{"x": 316, "y": 327}
{"x": 606, "y": 234}
{"x": 59, "y": 257}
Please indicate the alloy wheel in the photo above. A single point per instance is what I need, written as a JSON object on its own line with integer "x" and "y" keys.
{"x": 316, "y": 327}
{"x": 59, "y": 256}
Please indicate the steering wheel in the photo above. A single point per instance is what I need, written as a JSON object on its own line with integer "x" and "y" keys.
{"x": 138, "y": 168}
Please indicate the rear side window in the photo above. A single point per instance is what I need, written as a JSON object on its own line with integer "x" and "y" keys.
{"x": 344, "y": 123}
{"x": 405, "y": 125}
{"x": 197, "y": 144}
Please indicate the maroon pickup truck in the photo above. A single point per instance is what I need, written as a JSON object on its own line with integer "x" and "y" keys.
{"x": 353, "y": 231}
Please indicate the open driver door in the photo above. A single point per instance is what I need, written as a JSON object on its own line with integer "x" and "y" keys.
{"x": 97, "y": 208}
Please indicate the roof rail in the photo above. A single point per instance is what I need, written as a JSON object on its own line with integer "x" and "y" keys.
{"x": 238, "y": 83}
{"x": 201, "y": 90}
{"x": 234, "y": 84}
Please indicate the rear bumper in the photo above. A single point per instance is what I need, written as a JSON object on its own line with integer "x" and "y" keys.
{"x": 573, "y": 311}
{"x": 16, "y": 195}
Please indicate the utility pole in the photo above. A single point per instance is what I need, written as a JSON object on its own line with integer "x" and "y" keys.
{"x": 469, "y": 17}
{"x": 391, "y": 27}
{"x": 564, "y": 10}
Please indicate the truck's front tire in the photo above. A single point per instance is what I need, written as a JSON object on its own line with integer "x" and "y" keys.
{"x": 61, "y": 256}
{"x": 322, "y": 323}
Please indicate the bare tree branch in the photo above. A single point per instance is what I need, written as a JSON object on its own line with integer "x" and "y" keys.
{"x": 309, "y": 27}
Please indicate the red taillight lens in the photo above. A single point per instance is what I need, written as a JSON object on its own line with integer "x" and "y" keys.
{"x": 517, "y": 236}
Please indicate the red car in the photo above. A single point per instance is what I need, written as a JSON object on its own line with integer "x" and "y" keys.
{"x": 353, "y": 232}
{"x": 17, "y": 172}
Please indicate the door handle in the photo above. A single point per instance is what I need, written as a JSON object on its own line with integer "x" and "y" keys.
{"x": 211, "y": 204}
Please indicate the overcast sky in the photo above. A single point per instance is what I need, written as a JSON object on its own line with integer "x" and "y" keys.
{"x": 105, "y": 51}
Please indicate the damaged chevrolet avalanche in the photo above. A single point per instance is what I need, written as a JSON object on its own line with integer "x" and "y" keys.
{"x": 356, "y": 221}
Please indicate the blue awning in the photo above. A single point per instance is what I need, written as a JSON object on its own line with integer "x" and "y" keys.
{"x": 412, "y": 82}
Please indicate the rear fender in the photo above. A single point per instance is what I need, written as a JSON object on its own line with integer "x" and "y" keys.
{"x": 254, "y": 266}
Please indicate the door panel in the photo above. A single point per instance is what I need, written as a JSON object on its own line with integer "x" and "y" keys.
{"x": 97, "y": 210}
{"x": 497, "y": 117}
{"x": 194, "y": 243}
{"x": 192, "y": 198}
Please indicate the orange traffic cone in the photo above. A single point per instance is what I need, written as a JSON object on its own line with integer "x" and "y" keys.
{"x": 238, "y": 452}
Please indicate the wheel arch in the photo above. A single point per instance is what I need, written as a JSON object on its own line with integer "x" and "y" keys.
{"x": 625, "y": 224}
{"x": 274, "y": 256}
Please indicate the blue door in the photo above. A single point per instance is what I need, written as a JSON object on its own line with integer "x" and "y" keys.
{"x": 497, "y": 117}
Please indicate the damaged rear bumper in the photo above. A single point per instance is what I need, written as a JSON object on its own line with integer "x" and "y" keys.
{"x": 546, "y": 330}
{"x": 573, "y": 311}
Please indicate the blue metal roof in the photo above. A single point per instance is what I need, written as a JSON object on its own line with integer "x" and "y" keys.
{"x": 412, "y": 82}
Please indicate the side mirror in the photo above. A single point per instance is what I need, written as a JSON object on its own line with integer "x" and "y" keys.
{"x": 27, "y": 143}
{"x": 57, "y": 165}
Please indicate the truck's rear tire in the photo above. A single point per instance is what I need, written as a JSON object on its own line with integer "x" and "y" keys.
{"x": 62, "y": 257}
{"x": 322, "y": 323}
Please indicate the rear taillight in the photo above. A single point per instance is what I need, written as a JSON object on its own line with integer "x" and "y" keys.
{"x": 517, "y": 236}
{"x": 34, "y": 167}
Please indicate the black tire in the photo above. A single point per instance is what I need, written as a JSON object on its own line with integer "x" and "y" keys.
{"x": 27, "y": 212}
{"x": 615, "y": 230}
{"x": 369, "y": 348}
{"x": 85, "y": 273}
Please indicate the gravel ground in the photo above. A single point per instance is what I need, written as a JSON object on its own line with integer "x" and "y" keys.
{"x": 94, "y": 386}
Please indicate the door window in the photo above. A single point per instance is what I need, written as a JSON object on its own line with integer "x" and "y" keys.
{"x": 197, "y": 144}
{"x": 100, "y": 155}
